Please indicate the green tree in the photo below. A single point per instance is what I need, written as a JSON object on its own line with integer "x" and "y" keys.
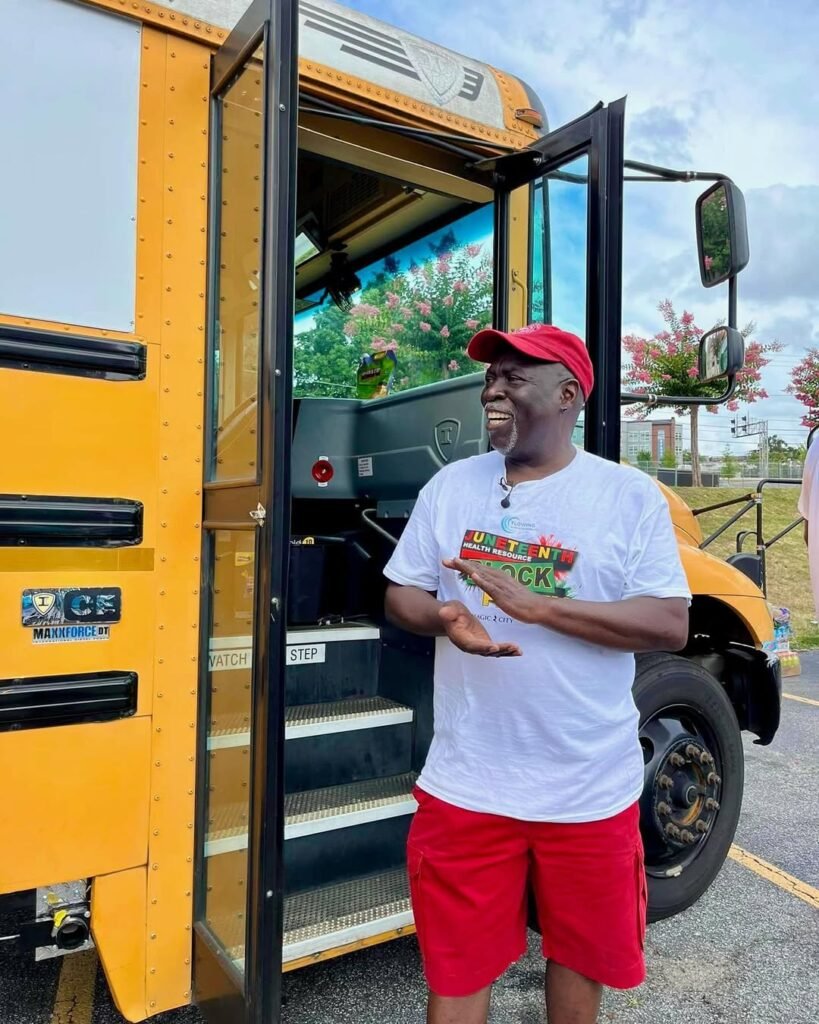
{"x": 730, "y": 465}
{"x": 643, "y": 460}
{"x": 669, "y": 459}
{"x": 666, "y": 365}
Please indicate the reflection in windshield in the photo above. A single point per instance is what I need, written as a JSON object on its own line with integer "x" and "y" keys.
{"x": 410, "y": 322}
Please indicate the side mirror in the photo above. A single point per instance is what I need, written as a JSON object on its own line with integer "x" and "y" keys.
{"x": 722, "y": 233}
{"x": 722, "y": 354}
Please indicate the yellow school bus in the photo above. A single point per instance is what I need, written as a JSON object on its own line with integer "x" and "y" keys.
{"x": 238, "y": 268}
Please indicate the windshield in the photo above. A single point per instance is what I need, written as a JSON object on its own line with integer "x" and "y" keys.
{"x": 409, "y": 322}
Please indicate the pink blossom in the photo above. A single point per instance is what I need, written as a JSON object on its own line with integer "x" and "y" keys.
{"x": 453, "y": 365}
{"x": 474, "y": 250}
{"x": 392, "y": 300}
{"x": 482, "y": 275}
{"x": 655, "y": 353}
{"x": 364, "y": 309}
{"x": 424, "y": 308}
{"x": 444, "y": 331}
{"x": 733, "y": 405}
{"x": 378, "y": 345}
{"x": 351, "y": 328}
{"x": 687, "y": 319}
{"x": 406, "y": 313}
{"x": 460, "y": 286}
{"x": 644, "y": 376}
{"x": 666, "y": 376}
{"x": 708, "y": 262}
{"x": 425, "y": 327}
{"x": 448, "y": 300}
{"x": 392, "y": 346}
{"x": 396, "y": 328}
{"x": 471, "y": 324}
{"x": 693, "y": 371}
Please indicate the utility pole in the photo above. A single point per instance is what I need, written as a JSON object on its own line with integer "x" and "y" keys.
{"x": 743, "y": 426}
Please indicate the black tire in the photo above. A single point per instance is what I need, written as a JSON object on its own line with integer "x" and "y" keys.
{"x": 668, "y": 689}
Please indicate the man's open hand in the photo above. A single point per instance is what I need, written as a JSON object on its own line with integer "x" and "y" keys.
{"x": 509, "y": 595}
{"x": 469, "y": 635}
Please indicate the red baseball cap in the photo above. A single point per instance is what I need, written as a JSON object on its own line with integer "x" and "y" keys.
{"x": 540, "y": 341}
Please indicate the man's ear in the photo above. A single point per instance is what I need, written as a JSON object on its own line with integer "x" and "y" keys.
{"x": 571, "y": 395}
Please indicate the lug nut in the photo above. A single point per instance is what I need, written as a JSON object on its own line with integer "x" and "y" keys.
{"x": 712, "y": 804}
{"x": 700, "y": 825}
{"x": 713, "y": 779}
{"x": 665, "y": 782}
{"x": 692, "y": 751}
{"x": 672, "y": 830}
{"x": 705, "y": 758}
{"x": 663, "y": 807}
{"x": 677, "y": 760}
{"x": 687, "y": 837}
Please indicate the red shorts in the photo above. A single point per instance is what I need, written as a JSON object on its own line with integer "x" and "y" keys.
{"x": 468, "y": 878}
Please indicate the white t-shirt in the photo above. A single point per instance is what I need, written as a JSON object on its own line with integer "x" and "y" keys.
{"x": 551, "y": 735}
{"x": 809, "y": 508}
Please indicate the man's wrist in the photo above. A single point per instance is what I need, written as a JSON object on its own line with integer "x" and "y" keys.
{"x": 546, "y": 611}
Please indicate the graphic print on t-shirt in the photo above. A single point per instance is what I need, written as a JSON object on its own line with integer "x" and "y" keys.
{"x": 541, "y": 567}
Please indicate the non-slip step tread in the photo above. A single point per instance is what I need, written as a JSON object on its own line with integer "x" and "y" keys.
{"x": 317, "y": 810}
{"x": 331, "y": 911}
{"x": 365, "y": 708}
{"x": 314, "y": 804}
{"x": 333, "y": 916}
{"x": 302, "y": 720}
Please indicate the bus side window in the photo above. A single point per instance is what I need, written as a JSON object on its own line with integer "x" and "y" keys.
{"x": 68, "y": 183}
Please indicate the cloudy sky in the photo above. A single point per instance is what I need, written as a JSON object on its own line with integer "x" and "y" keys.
{"x": 711, "y": 85}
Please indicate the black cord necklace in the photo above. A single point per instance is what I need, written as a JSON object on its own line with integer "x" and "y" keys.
{"x": 506, "y": 501}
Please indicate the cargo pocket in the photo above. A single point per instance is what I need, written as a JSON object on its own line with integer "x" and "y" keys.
{"x": 641, "y": 896}
{"x": 415, "y": 863}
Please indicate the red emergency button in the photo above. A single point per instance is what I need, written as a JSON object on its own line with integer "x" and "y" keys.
{"x": 322, "y": 471}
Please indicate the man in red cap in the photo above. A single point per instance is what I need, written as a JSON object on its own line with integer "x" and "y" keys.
{"x": 540, "y": 569}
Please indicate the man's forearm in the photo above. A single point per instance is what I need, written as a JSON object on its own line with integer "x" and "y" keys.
{"x": 413, "y": 609}
{"x": 638, "y": 624}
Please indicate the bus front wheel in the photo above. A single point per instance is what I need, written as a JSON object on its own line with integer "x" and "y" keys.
{"x": 694, "y": 777}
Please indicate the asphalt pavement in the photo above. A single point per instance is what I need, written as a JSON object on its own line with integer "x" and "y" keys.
{"x": 746, "y": 953}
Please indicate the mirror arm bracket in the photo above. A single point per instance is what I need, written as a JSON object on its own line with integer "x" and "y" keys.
{"x": 653, "y": 401}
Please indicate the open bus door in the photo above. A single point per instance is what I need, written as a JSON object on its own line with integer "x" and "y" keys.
{"x": 238, "y": 904}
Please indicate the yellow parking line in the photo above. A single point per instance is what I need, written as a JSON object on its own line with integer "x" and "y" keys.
{"x": 794, "y": 886}
{"x": 802, "y": 700}
{"x": 74, "y": 1001}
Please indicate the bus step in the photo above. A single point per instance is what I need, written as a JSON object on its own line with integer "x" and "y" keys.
{"x": 305, "y": 720}
{"x": 338, "y": 915}
{"x": 318, "y": 810}
{"x": 346, "y": 742}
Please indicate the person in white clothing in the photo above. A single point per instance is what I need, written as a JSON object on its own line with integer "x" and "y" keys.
{"x": 540, "y": 569}
{"x": 809, "y": 508}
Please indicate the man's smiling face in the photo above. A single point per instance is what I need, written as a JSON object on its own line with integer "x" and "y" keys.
{"x": 522, "y": 398}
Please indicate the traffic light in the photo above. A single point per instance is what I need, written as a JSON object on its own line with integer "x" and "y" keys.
{"x": 733, "y": 424}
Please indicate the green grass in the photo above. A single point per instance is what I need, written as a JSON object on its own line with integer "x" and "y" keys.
{"x": 787, "y": 561}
